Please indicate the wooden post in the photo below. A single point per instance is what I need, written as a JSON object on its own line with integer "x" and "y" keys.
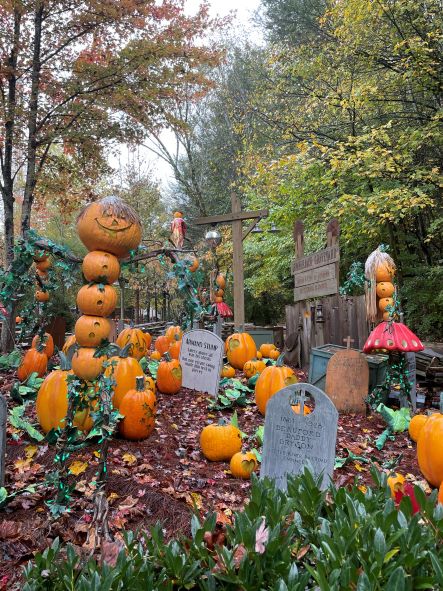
{"x": 332, "y": 236}
{"x": 237, "y": 267}
{"x": 299, "y": 238}
{"x": 3, "y": 417}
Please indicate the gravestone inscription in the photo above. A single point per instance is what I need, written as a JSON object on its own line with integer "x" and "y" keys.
{"x": 293, "y": 440}
{"x": 3, "y": 416}
{"x": 201, "y": 358}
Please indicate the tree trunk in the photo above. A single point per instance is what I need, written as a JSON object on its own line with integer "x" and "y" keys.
{"x": 31, "y": 156}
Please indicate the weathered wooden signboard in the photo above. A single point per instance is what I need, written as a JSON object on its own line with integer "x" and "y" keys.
{"x": 201, "y": 358}
{"x": 295, "y": 440}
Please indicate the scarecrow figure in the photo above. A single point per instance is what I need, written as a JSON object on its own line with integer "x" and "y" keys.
{"x": 178, "y": 229}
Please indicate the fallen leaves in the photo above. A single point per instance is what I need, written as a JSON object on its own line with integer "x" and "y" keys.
{"x": 78, "y": 467}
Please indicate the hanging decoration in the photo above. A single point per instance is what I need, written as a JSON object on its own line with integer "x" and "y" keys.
{"x": 178, "y": 230}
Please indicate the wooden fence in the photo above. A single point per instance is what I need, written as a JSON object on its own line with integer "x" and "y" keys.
{"x": 330, "y": 319}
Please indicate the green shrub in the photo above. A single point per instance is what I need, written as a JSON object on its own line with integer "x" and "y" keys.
{"x": 316, "y": 540}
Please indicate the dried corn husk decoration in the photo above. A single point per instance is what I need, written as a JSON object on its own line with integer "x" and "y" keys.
{"x": 378, "y": 261}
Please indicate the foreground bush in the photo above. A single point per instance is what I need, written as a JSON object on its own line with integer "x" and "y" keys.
{"x": 303, "y": 540}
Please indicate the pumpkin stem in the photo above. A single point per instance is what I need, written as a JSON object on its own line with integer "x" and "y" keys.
{"x": 140, "y": 383}
{"x": 280, "y": 360}
{"x": 65, "y": 360}
{"x": 167, "y": 356}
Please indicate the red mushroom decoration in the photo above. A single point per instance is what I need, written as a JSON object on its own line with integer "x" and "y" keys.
{"x": 224, "y": 310}
{"x": 392, "y": 336}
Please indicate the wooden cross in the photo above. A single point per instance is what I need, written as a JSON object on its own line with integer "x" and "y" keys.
{"x": 236, "y": 218}
{"x": 300, "y": 399}
{"x": 348, "y": 342}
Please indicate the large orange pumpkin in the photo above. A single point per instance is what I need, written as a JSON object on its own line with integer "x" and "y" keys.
{"x": 101, "y": 267}
{"x": 90, "y": 331}
{"x": 162, "y": 344}
{"x": 138, "y": 408}
{"x": 97, "y": 300}
{"x": 220, "y": 442}
{"x": 85, "y": 365}
{"x": 266, "y": 349}
{"x": 48, "y": 344}
{"x": 70, "y": 341}
{"x": 169, "y": 375}
{"x": 385, "y": 289}
{"x": 109, "y": 225}
{"x": 34, "y": 360}
{"x": 172, "y": 332}
{"x": 416, "y": 425}
{"x": 440, "y": 494}
{"x": 135, "y": 338}
{"x": 430, "y": 449}
{"x": 240, "y": 349}
{"x": 270, "y": 381}
{"x": 384, "y": 273}
{"x": 124, "y": 371}
{"x": 41, "y": 296}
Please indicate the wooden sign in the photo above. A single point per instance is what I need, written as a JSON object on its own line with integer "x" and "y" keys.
{"x": 316, "y": 275}
{"x": 316, "y": 259}
{"x": 3, "y": 416}
{"x": 295, "y": 440}
{"x": 347, "y": 380}
{"x": 201, "y": 359}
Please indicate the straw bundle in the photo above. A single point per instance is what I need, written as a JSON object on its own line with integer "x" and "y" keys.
{"x": 375, "y": 261}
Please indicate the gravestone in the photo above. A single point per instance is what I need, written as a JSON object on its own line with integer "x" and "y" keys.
{"x": 201, "y": 358}
{"x": 3, "y": 415}
{"x": 347, "y": 380}
{"x": 295, "y": 440}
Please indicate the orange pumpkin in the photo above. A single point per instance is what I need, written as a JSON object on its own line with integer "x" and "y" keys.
{"x": 440, "y": 494}
{"x": 194, "y": 265}
{"x": 85, "y": 365}
{"x": 39, "y": 256}
{"x": 18, "y": 319}
{"x": 43, "y": 265}
{"x": 172, "y": 332}
{"x": 259, "y": 355}
{"x": 220, "y": 293}
{"x": 148, "y": 340}
{"x": 95, "y": 300}
{"x": 241, "y": 348}
{"x": 156, "y": 355}
{"x": 169, "y": 375}
{"x": 430, "y": 449}
{"x": 385, "y": 289}
{"x": 220, "y": 442}
{"x": 252, "y": 367}
{"x": 416, "y": 425}
{"x": 266, "y": 349}
{"x": 383, "y": 303}
{"x": 90, "y": 331}
{"x": 296, "y": 409}
{"x": 242, "y": 465}
{"x": 274, "y": 354}
{"x": 384, "y": 273}
{"x": 33, "y": 361}
{"x": 41, "y": 296}
{"x": 124, "y": 371}
{"x": 174, "y": 348}
{"x": 135, "y": 338}
{"x": 109, "y": 225}
{"x": 70, "y": 341}
{"x": 42, "y": 274}
{"x": 138, "y": 407}
{"x": 218, "y": 300}
{"x": 270, "y": 381}
{"x": 220, "y": 281}
{"x": 162, "y": 344}
{"x": 395, "y": 483}
{"x": 48, "y": 344}
{"x": 101, "y": 267}
{"x": 227, "y": 371}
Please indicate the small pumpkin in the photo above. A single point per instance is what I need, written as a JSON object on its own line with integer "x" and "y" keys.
{"x": 148, "y": 340}
{"x": 42, "y": 274}
{"x": 172, "y": 332}
{"x": 156, "y": 355}
{"x": 97, "y": 299}
{"x": 384, "y": 273}
{"x": 220, "y": 293}
{"x": 138, "y": 407}
{"x": 174, "y": 348}
{"x": 169, "y": 375}
{"x": 194, "y": 265}
{"x": 383, "y": 303}
{"x": 90, "y": 331}
{"x": 259, "y": 355}
{"x": 242, "y": 465}
{"x": 396, "y": 482}
{"x": 18, "y": 319}
{"x": 220, "y": 442}
{"x": 101, "y": 267}
{"x": 85, "y": 365}
{"x": 39, "y": 256}
{"x": 306, "y": 409}
{"x": 430, "y": 449}
{"x": 241, "y": 348}
{"x": 162, "y": 344}
{"x": 385, "y": 289}
{"x": 43, "y": 265}
{"x": 220, "y": 281}
{"x": 266, "y": 349}
{"x": 41, "y": 296}
{"x": 271, "y": 380}
{"x": 252, "y": 367}
{"x": 109, "y": 225}
{"x": 135, "y": 338}
{"x": 274, "y": 354}
{"x": 48, "y": 344}
{"x": 124, "y": 370}
{"x": 228, "y": 371}
{"x": 416, "y": 425}
{"x": 34, "y": 360}
{"x": 218, "y": 300}
{"x": 70, "y": 341}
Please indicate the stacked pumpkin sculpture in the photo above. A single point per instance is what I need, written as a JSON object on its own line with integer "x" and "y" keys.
{"x": 379, "y": 272}
{"x": 42, "y": 265}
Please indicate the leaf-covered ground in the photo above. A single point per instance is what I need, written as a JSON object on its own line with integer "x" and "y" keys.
{"x": 159, "y": 479}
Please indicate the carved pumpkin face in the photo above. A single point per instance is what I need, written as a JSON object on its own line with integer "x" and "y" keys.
{"x": 90, "y": 331}
{"x": 110, "y": 225}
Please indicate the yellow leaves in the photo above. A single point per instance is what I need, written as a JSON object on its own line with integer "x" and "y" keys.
{"x": 78, "y": 467}
{"x": 30, "y": 451}
{"x": 22, "y": 465}
{"x": 129, "y": 459}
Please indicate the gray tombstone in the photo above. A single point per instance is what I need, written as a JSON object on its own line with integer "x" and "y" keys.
{"x": 201, "y": 359}
{"x": 3, "y": 415}
{"x": 295, "y": 440}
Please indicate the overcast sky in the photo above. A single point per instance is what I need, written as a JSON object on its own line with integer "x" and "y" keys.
{"x": 244, "y": 10}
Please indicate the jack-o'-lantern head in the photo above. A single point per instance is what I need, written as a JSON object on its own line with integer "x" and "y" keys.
{"x": 178, "y": 214}
{"x": 110, "y": 225}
